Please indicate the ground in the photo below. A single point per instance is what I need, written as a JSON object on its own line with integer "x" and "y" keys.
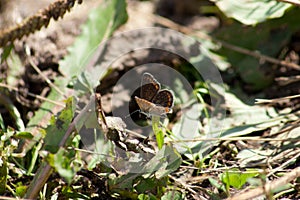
{"x": 48, "y": 46}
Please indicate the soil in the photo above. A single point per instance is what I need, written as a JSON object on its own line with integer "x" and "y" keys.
{"x": 48, "y": 46}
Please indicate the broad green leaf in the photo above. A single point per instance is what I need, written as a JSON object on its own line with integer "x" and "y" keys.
{"x": 236, "y": 178}
{"x": 144, "y": 185}
{"x": 61, "y": 161}
{"x": 102, "y": 22}
{"x": 244, "y": 118}
{"x": 174, "y": 195}
{"x": 267, "y": 38}
{"x": 251, "y": 12}
{"x": 245, "y": 114}
{"x": 185, "y": 128}
{"x": 121, "y": 182}
{"x": 166, "y": 161}
{"x": 247, "y": 156}
{"x": 58, "y": 127}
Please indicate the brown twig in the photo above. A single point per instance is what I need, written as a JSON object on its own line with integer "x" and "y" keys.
{"x": 45, "y": 169}
{"x": 187, "y": 187}
{"x": 261, "y": 101}
{"x": 286, "y": 163}
{"x": 52, "y": 85}
{"x": 170, "y": 24}
{"x": 238, "y": 139}
{"x": 258, "y": 55}
{"x": 287, "y": 80}
{"x": 32, "y": 95}
{"x": 11, "y": 198}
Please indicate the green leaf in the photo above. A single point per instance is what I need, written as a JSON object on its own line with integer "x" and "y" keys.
{"x": 236, "y": 178}
{"x": 68, "y": 193}
{"x": 23, "y": 135}
{"x": 2, "y": 125}
{"x": 185, "y": 129}
{"x": 16, "y": 68}
{"x": 102, "y": 22}
{"x": 146, "y": 197}
{"x": 6, "y": 52}
{"x": 251, "y": 12}
{"x": 273, "y": 36}
{"x": 3, "y": 174}
{"x": 13, "y": 111}
{"x": 249, "y": 156}
{"x": 174, "y": 195}
{"x": 244, "y": 118}
{"x": 58, "y": 127}
{"x": 166, "y": 161}
{"x": 146, "y": 184}
{"x": 122, "y": 182}
{"x": 21, "y": 190}
{"x": 215, "y": 183}
{"x": 61, "y": 161}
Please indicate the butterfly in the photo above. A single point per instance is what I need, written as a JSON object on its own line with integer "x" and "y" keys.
{"x": 153, "y": 100}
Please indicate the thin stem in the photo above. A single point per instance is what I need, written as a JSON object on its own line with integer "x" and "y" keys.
{"x": 45, "y": 169}
{"x": 157, "y": 131}
{"x": 32, "y": 95}
{"x": 33, "y": 65}
{"x": 170, "y": 24}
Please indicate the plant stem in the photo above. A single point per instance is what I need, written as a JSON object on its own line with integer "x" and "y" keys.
{"x": 157, "y": 131}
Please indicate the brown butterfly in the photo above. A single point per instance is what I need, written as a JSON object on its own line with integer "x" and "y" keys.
{"x": 153, "y": 100}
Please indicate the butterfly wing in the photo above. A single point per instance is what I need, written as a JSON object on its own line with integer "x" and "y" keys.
{"x": 149, "y": 108}
{"x": 144, "y": 105}
{"x": 150, "y": 87}
{"x": 164, "y": 98}
{"x": 152, "y": 100}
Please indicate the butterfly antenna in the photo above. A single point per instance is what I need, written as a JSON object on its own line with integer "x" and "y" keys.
{"x": 131, "y": 113}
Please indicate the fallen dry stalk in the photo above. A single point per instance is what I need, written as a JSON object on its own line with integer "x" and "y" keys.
{"x": 170, "y": 24}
